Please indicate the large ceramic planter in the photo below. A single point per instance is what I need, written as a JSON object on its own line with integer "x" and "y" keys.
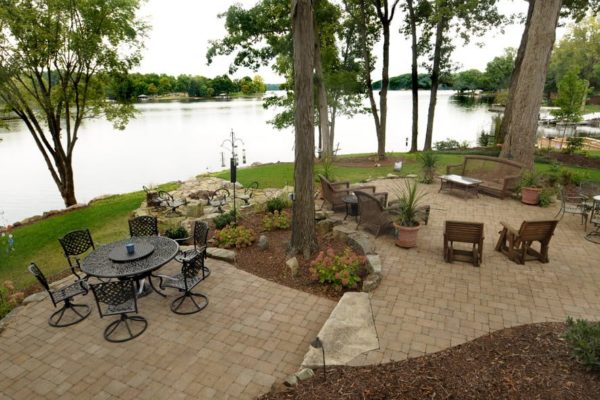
{"x": 530, "y": 195}
{"x": 407, "y": 236}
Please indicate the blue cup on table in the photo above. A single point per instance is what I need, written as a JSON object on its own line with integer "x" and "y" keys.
{"x": 130, "y": 248}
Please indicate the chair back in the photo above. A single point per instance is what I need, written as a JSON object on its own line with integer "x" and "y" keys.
{"x": 76, "y": 242}
{"x": 145, "y": 225}
{"x": 200, "y": 234}
{"x": 191, "y": 268}
{"x": 114, "y": 294}
{"x": 369, "y": 206}
{"x": 466, "y": 232}
{"x": 326, "y": 188}
{"x": 34, "y": 269}
{"x": 589, "y": 189}
{"x": 249, "y": 190}
{"x": 537, "y": 230}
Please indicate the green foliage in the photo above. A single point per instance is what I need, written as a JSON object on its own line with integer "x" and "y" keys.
{"x": 584, "y": 339}
{"x": 429, "y": 161}
{"x": 224, "y": 219}
{"x": 9, "y": 298}
{"x": 485, "y": 139}
{"x": 448, "y": 144}
{"x": 498, "y": 72}
{"x": 469, "y": 80}
{"x": 237, "y": 236}
{"x": 572, "y": 92}
{"x": 326, "y": 168}
{"x": 546, "y": 197}
{"x": 177, "y": 233}
{"x": 574, "y": 144}
{"x": 339, "y": 270}
{"x": 404, "y": 82}
{"x": 277, "y": 204}
{"x": 408, "y": 201}
{"x": 531, "y": 179}
{"x": 276, "y": 220}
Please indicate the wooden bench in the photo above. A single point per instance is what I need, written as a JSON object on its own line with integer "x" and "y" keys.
{"x": 499, "y": 176}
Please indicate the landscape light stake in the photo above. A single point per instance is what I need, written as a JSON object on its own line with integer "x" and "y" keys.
{"x": 317, "y": 344}
{"x": 231, "y": 145}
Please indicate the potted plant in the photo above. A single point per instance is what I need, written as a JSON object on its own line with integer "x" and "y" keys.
{"x": 531, "y": 188}
{"x": 429, "y": 161}
{"x": 406, "y": 210}
{"x": 180, "y": 235}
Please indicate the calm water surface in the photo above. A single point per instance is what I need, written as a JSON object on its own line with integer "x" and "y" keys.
{"x": 172, "y": 141}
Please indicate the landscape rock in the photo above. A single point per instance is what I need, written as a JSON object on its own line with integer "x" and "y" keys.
{"x": 304, "y": 374}
{"x": 374, "y": 264}
{"x": 263, "y": 242}
{"x": 361, "y": 242}
{"x": 221, "y": 254}
{"x": 291, "y": 380}
{"x": 391, "y": 176}
{"x": 371, "y": 282}
{"x": 293, "y": 266}
{"x": 193, "y": 210}
{"x": 324, "y": 226}
{"x": 342, "y": 232}
{"x": 35, "y": 298}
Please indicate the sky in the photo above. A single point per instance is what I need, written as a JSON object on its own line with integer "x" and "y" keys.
{"x": 181, "y": 31}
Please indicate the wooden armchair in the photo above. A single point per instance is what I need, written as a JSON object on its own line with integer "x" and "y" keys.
{"x": 517, "y": 244}
{"x": 334, "y": 192}
{"x": 372, "y": 211}
{"x": 463, "y": 232}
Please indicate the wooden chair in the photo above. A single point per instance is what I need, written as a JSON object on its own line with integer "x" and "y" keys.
{"x": 517, "y": 244}
{"x": 334, "y": 192}
{"x": 463, "y": 232}
{"x": 372, "y": 211}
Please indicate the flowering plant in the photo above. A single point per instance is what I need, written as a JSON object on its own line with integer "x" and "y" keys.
{"x": 339, "y": 270}
{"x": 276, "y": 220}
{"x": 237, "y": 236}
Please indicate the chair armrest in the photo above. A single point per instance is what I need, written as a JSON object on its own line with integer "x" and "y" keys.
{"x": 511, "y": 181}
{"x": 345, "y": 184}
{"x": 363, "y": 188}
{"x": 510, "y": 228}
{"x": 455, "y": 169}
{"x": 382, "y": 197}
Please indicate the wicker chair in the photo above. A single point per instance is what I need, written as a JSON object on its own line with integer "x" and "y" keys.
{"x": 516, "y": 244}
{"x": 248, "y": 193}
{"x": 119, "y": 298}
{"x": 63, "y": 295}
{"x": 372, "y": 212}
{"x": 192, "y": 273}
{"x": 74, "y": 244}
{"x": 573, "y": 204}
{"x": 200, "y": 238}
{"x": 463, "y": 232}
{"x": 334, "y": 192}
{"x": 144, "y": 225}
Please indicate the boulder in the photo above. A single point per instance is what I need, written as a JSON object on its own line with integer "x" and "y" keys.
{"x": 35, "y": 298}
{"x": 193, "y": 210}
{"x": 263, "y": 242}
{"x": 342, "y": 232}
{"x": 304, "y": 374}
{"x": 371, "y": 282}
{"x": 221, "y": 254}
{"x": 361, "y": 243}
{"x": 324, "y": 226}
{"x": 293, "y": 266}
{"x": 374, "y": 264}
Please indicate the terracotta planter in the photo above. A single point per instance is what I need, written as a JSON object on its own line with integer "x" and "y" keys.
{"x": 407, "y": 236}
{"x": 530, "y": 195}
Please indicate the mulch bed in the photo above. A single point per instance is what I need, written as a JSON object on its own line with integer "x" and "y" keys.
{"x": 574, "y": 159}
{"x": 270, "y": 263}
{"x": 368, "y": 161}
{"x": 525, "y": 362}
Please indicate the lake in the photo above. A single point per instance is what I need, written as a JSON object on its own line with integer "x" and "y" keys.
{"x": 177, "y": 140}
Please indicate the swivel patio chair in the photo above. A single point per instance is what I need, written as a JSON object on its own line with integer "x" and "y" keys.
{"x": 64, "y": 295}
{"x": 192, "y": 273}
{"x": 119, "y": 298}
{"x": 200, "y": 239}
{"x": 144, "y": 225}
{"x": 334, "y": 192}
{"x": 167, "y": 200}
{"x": 218, "y": 199}
{"x": 516, "y": 244}
{"x": 372, "y": 212}
{"x": 75, "y": 244}
{"x": 248, "y": 193}
{"x": 463, "y": 232}
{"x": 573, "y": 204}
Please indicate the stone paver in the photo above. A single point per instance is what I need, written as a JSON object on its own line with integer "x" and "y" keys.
{"x": 252, "y": 334}
{"x": 424, "y": 305}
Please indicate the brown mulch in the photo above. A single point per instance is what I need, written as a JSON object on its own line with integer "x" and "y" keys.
{"x": 270, "y": 263}
{"x": 368, "y": 161}
{"x": 574, "y": 159}
{"x": 524, "y": 362}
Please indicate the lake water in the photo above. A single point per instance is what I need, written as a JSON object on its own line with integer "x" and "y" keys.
{"x": 175, "y": 141}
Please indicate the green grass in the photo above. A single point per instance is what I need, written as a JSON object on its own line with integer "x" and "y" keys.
{"x": 591, "y": 108}
{"x": 106, "y": 219}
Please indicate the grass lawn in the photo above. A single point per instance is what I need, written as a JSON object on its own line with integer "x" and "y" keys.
{"x": 106, "y": 219}
{"x": 591, "y": 108}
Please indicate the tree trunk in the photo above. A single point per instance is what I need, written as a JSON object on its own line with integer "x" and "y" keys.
{"x": 67, "y": 187}
{"x": 414, "y": 76}
{"x": 303, "y": 220}
{"x": 435, "y": 81}
{"x": 326, "y": 150}
{"x": 519, "y": 126}
{"x": 385, "y": 83}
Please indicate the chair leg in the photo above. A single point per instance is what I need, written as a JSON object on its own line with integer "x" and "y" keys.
{"x": 56, "y": 317}
{"x": 178, "y": 302}
{"x": 124, "y": 320}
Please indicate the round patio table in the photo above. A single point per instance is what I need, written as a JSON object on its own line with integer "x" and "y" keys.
{"x": 100, "y": 264}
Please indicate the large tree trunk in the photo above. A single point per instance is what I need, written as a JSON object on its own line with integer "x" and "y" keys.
{"x": 303, "y": 221}
{"x": 414, "y": 76}
{"x": 435, "y": 81}
{"x": 519, "y": 125}
{"x": 385, "y": 83}
{"x": 67, "y": 185}
{"x": 326, "y": 150}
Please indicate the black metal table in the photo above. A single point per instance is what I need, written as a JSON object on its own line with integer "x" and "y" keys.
{"x": 100, "y": 265}
{"x": 351, "y": 202}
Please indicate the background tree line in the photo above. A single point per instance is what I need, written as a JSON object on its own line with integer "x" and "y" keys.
{"x": 130, "y": 86}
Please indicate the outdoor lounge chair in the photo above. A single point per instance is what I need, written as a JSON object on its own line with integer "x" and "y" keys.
{"x": 372, "y": 212}
{"x": 193, "y": 271}
{"x": 64, "y": 295}
{"x": 573, "y": 204}
{"x": 463, "y": 232}
{"x": 334, "y": 192}
{"x": 74, "y": 244}
{"x": 516, "y": 244}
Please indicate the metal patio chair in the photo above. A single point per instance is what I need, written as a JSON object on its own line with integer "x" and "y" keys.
{"x": 144, "y": 225}
{"x": 192, "y": 273}
{"x": 573, "y": 204}
{"x": 75, "y": 244}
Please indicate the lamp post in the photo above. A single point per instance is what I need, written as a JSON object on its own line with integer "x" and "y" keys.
{"x": 230, "y": 145}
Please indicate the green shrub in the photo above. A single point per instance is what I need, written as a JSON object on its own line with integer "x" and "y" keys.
{"x": 339, "y": 270}
{"x": 448, "y": 144}
{"x": 531, "y": 179}
{"x": 177, "y": 233}
{"x": 237, "y": 236}
{"x": 429, "y": 161}
{"x": 276, "y": 220}
{"x": 221, "y": 221}
{"x": 9, "y": 298}
{"x": 546, "y": 197}
{"x": 276, "y": 204}
{"x": 584, "y": 338}
{"x": 573, "y": 144}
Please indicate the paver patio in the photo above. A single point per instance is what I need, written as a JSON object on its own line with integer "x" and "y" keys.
{"x": 255, "y": 332}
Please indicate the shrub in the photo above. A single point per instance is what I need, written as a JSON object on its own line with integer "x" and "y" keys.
{"x": 448, "y": 144}
{"x": 531, "y": 179}
{"x": 573, "y": 144}
{"x": 9, "y": 298}
{"x": 177, "y": 233}
{"x": 221, "y": 221}
{"x": 485, "y": 139}
{"x": 276, "y": 220}
{"x": 546, "y": 197}
{"x": 276, "y": 204}
{"x": 429, "y": 161}
{"x": 339, "y": 270}
{"x": 237, "y": 236}
{"x": 584, "y": 338}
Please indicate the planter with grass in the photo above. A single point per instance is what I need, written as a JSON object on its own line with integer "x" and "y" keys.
{"x": 406, "y": 209}
{"x": 531, "y": 188}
